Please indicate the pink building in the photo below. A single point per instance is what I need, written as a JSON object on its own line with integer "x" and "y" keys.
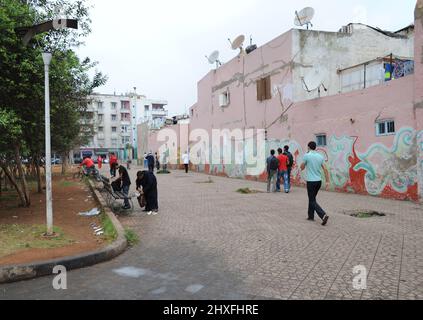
{"x": 369, "y": 129}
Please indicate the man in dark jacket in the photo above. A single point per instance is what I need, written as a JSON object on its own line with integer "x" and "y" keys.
{"x": 150, "y": 160}
{"x": 125, "y": 184}
{"x": 148, "y": 182}
{"x": 290, "y": 163}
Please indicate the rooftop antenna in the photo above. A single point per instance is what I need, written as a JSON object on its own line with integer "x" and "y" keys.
{"x": 214, "y": 58}
{"x": 314, "y": 80}
{"x": 238, "y": 43}
{"x": 304, "y": 17}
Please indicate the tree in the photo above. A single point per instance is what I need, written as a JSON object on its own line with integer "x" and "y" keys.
{"x": 22, "y": 82}
{"x": 10, "y": 144}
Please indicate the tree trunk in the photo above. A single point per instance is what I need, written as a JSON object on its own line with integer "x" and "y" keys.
{"x": 1, "y": 178}
{"x": 65, "y": 163}
{"x": 23, "y": 178}
{"x": 38, "y": 173}
{"x": 12, "y": 180}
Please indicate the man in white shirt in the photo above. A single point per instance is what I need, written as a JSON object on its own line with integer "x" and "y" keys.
{"x": 185, "y": 160}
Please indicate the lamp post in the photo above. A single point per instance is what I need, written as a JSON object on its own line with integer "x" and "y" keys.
{"x": 29, "y": 33}
{"x": 49, "y": 199}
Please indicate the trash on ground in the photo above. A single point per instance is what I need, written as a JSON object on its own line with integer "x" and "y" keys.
{"x": 91, "y": 213}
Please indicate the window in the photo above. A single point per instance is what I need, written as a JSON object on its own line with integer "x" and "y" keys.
{"x": 146, "y": 108}
{"x": 385, "y": 128}
{"x": 100, "y": 118}
{"x": 100, "y": 129}
{"x": 114, "y": 129}
{"x": 125, "y": 140}
{"x": 100, "y": 105}
{"x": 114, "y": 142}
{"x": 114, "y": 117}
{"x": 321, "y": 140}
{"x": 125, "y": 117}
{"x": 124, "y": 129}
{"x": 114, "y": 105}
{"x": 264, "y": 91}
{"x": 125, "y": 105}
{"x": 224, "y": 99}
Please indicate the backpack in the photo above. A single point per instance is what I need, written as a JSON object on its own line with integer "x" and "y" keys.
{"x": 274, "y": 164}
{"x": 291, "y": 159}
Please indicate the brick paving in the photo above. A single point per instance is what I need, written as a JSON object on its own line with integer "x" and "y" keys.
{"x": 210, "y": 242}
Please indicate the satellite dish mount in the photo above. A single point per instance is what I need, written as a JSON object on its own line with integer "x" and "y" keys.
{"x": 304, "y": 17}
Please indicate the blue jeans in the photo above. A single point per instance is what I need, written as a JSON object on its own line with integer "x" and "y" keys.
{"x": 284, "y": 175}
{"x": 125, "y": 191}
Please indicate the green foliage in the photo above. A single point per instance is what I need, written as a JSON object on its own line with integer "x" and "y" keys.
{"x": 22, "y": 73}
{"x": 110, "y": 233}
{"x": 131, "y": 237}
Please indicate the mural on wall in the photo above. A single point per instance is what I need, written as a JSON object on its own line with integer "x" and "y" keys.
{"x": 379, "y": 171}
{"x": 393, "y": 169}
{"x": 340, "y": 150}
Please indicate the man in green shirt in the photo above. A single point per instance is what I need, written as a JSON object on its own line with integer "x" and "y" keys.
{"x": 314, "y": 162}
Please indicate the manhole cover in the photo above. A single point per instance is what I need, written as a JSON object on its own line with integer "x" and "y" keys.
{"x": 363, "y": 214}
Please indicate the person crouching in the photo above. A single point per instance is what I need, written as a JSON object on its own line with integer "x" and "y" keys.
{"x": 148, "y": 182}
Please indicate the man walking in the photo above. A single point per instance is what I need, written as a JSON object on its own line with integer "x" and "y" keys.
{"x": 314, "y": 162}
{"x": 290, "y": 164}
{"x": 272, "y": 171}
{"x": 282, "y": 172}
{"x": 113, "y": 161}
{"x": 185, "y": 160}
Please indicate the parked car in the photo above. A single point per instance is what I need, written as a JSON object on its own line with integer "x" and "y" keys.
{"x": 77, "y": 160}
{"x": 56, "y": 161}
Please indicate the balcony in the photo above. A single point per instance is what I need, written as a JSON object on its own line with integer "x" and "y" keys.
{"x": 159, "y": 112}
{"x": 126, "y": 111}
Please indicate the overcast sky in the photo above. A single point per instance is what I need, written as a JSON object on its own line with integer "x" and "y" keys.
{"x": 159, "y": 46}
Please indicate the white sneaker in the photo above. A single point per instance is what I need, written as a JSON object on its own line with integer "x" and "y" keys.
{"x": 155, "y": 213}
{"x": 149, "y": 213}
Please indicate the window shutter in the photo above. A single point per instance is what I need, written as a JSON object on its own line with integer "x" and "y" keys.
{"x": 268, "y": 89}
{"x": 259, "y": 90}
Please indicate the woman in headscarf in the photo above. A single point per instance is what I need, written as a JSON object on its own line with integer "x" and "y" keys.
{"x": 148, "y": 183}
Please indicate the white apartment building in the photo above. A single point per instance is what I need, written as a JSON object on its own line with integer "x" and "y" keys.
{"x": 115, "y": 119}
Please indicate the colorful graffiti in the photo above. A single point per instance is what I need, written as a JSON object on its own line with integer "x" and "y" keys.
{"x": 379, "y": 171}
{"x": 393, "y": 169}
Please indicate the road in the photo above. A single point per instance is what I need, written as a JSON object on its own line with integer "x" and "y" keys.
{"x": 210, "y": 242}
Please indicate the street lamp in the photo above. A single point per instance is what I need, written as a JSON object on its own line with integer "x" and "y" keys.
{"x": 49, "y": 203}
{"x": 28, "y": 33}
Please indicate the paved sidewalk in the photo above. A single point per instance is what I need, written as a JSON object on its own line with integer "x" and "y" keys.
{"x": 210, "y": 242}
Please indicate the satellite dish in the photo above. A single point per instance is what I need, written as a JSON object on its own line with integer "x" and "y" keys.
{"x": 304, "y": 17}
{"x": 214, "y": 58}
{"x": 238, "y": 43}
{"x": 314, "y": 79}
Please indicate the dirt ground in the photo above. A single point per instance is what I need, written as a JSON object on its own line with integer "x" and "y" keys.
{"x": 69, "y": 198}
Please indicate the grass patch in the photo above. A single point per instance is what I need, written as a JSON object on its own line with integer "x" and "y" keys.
{"x": 131, "y": 237}
{"x": 247, "y": 191}
{"x": 14, "y": 237}
{"x": 366, "y": 214}
{"x": 110, "y": 233}
{"x": 67, "y": 184}
{"x": 8, "y": 196}
{"x": 163, "y": 172}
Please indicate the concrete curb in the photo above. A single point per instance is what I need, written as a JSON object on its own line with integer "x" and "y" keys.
{"x": 15, "y": 273}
